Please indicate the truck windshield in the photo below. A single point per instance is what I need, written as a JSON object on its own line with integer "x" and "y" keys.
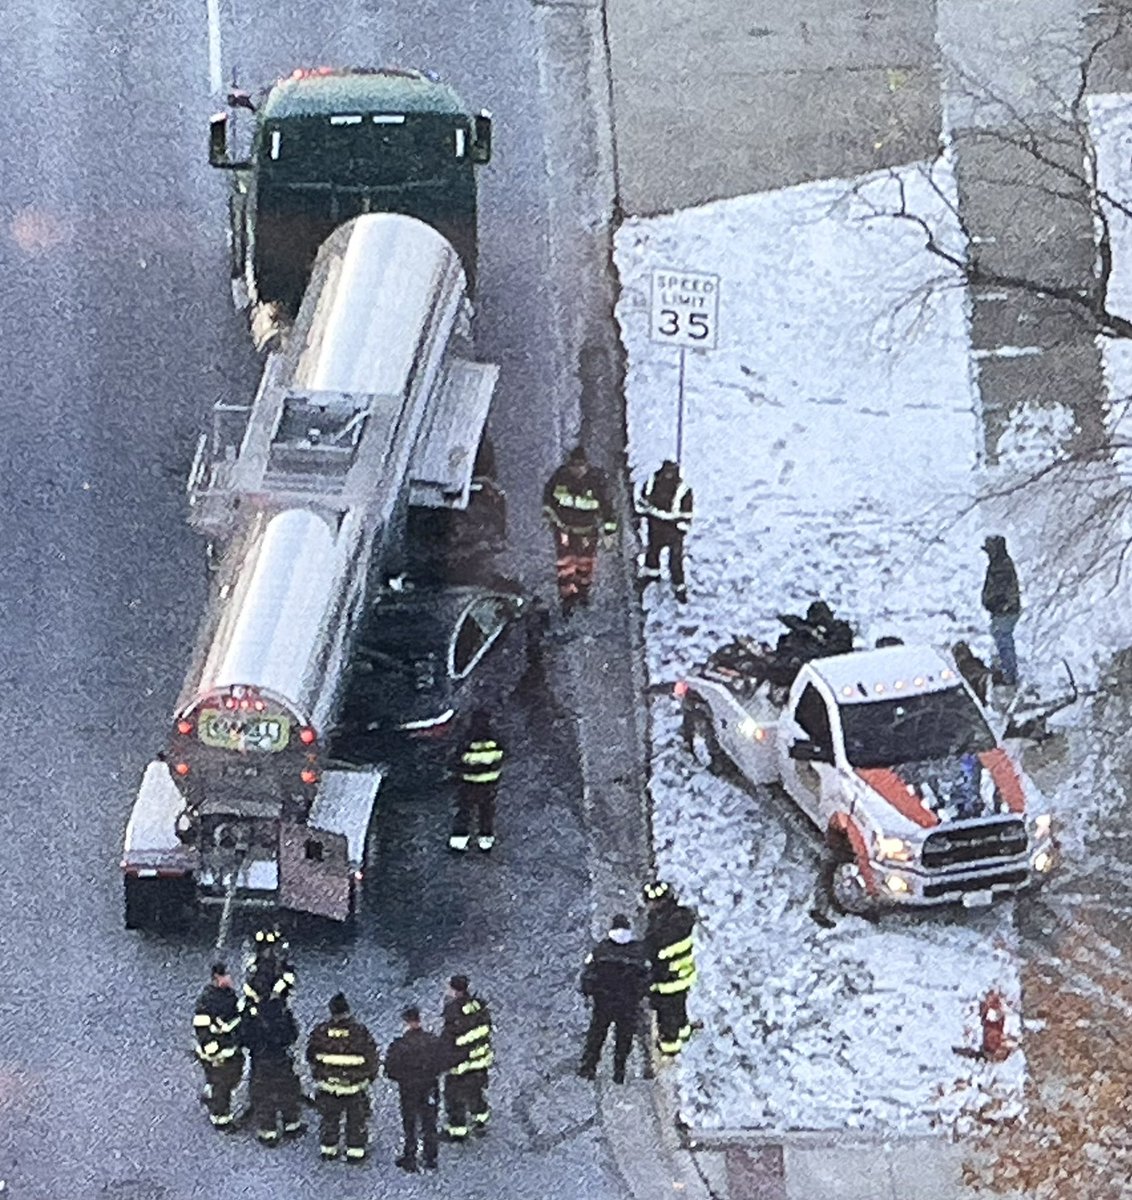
{"x": 355, "y": 150}
{"x": 886, "y": 733}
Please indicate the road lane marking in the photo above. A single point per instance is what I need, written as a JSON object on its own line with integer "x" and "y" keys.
{"x": 215, "y": 67}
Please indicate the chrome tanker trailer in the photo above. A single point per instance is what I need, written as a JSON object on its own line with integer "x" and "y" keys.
{"x": 372, "y": 404}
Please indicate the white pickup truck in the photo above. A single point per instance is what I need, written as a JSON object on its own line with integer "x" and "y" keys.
{"x": 890, "y": 751}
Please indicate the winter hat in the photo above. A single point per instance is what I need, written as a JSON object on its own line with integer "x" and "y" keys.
{"x": 411, "y": 1015}
{"x": 219, "y": 968}
{"x": 577, "y": 455}
{"x": 620, "y": 921}
{"x": 339, "y": 1005}
{"x": 458, "y": 983}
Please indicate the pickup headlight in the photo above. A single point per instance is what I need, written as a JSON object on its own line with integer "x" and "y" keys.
{"x": 893, "y": 849}
{"x": 751, "y": 729}
{"x": 1041, "y": 826}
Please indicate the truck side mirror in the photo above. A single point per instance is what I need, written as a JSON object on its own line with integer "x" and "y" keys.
{"x": 481, "y": 137}
{"x": 238, "y": 98}
{"x": 805, "y": 751}
{"x": 218, "y": 140}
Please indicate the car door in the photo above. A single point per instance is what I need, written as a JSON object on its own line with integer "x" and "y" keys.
{"x": 808, "y": 722}
{"x": 480, "y": 625}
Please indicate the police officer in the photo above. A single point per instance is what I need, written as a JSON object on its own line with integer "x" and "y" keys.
{"x": 343, "y": 1058}
{"x": 615, "y": 977}
{"x": 269, "y": 1030}
{"x": 668, "y": 942}
{"x": 415, "y": 1062}
{"x": 576, "y": 503}
{"x": 477, "y": 769}
{"x": 216, "y": 1024}
{"x": 467, "y": 1033}
{"x": 268, "y": 971}
{"x": 666, "y": 504}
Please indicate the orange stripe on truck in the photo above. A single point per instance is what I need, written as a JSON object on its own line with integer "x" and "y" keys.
{"x": 889, "y": 786}
{"x": 1005, "y": 776}
{"x": 848, "y": 826}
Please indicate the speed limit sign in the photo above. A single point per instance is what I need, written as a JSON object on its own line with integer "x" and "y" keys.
{"x": 685, "y": 308}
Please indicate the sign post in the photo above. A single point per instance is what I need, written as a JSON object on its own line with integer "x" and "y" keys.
{"x": 684, "y": 312}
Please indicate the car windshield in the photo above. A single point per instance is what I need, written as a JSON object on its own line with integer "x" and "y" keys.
{"x": 886, "y": 733}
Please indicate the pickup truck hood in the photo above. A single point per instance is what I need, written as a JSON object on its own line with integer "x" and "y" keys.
{"x": 964, "y": 788}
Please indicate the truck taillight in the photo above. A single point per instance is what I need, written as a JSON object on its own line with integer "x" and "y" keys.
{"x": 182, "y": 769}
{"x": 307, "y": 736}
{"x": 308, "y": 776}
{"x": 184, "y": 726}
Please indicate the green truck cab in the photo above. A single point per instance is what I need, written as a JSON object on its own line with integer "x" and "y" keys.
{"x": 329, "y": 144}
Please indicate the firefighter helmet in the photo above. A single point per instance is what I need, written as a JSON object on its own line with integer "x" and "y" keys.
{"x": 656, "y": 889}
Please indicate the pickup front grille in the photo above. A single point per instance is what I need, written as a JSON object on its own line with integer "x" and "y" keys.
{"x": 977, "y": 883}
{"x": 956, "y": 846}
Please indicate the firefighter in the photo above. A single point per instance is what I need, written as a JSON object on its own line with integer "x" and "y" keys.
{"x": 216, "y": 1024}
{"x": 269, "y": 1030}
{"x": 666, "y": 504}
{"x": 415, "y": 1061}
{"x": 615, "y": 978}
{"x": 268, "y": 971}
{"x": 477, "y": 768}
{"x": 668, "y": 942}
{"x": 467, "y": 1033}
{"x": 576, "y": 504}
{"x": 343, "y": 1058}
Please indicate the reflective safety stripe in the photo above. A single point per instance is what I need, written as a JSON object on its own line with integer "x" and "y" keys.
{"x": 485, "y": 843}
{"x": 268, "y": 1135}
{"x": 670, "y": 1047}
{"x": 328, "y": 1151}
{"x": 339, "y": 1087}
{"x": 456, "y": 1131}
{"x": 685, "y": 1032}
{"x": 671, "y": 986}
{"x": 586, "y": 502}
{"x": 201, "y": 1019}
{"x": 676, "y": 948}
{"x": 292, "y": 1126}
{"x": 483, "y": 1117}
{"x": 341, "y": 1060}
{"x": 219, "y": 1026}
{"x": 474, "y": 1064}
{"x": 683, "y": 966}
{"x": 458, "y": 843}
{"x": 355, "y": 1152}
{"x": 222, "y": 1118}
{"x": 481, "y": 776}
{"x": 474, "y": 1035}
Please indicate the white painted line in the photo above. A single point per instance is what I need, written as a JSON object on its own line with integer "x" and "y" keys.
{"x": 215, "y": 62}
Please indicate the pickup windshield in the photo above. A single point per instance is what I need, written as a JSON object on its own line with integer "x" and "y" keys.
{"x": 886, "y": 733}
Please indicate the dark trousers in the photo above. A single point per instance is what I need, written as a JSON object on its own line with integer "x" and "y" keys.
{"x": 418, "y": 1119}
{"x": 576, "y": 551}
{"x": 331, "y": 1110}
{"x": 222, "y": 1079}
{"x": 276, "y": 1096}
{"x": 662, "y": 535}
{"x": 624, "y": 1021}
{"x": 672, "y": 1028}
{"x": 464, "y": 1094}
{"x": 480, "y": 799}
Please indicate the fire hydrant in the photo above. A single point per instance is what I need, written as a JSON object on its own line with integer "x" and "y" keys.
{"x": 992, "y": 1013}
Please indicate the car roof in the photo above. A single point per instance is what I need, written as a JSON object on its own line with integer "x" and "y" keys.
{"x": 424, "y": 615}
{"x": 885, "y": 674}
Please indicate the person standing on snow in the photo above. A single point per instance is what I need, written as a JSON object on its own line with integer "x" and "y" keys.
{"x": 666, "y": 504}
{"x": 1002, "y": 600}
{"x": 576, "y": 503}
{"x": 669, "y": 945}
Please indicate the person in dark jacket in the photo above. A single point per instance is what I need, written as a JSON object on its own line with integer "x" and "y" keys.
{"x": 668, "y": 943}
{"x": 269, "y": 1030}
{"x": 1003, "y": 601}
{"x": 344, "y": 1061}
{"x": 415, "y": 1061}
{"x": 972, "y": 668}
{"x": 467, "y": 1034}
{"x": 666, "y": 504}
{"x": 268, "y": 972}
{"x": 477, "y": 767}
{"x": 216, "y": 1024}
{"x": 615, "y": 978}
{"x": 576, "y": 503}
{"x": 835, "y": 852}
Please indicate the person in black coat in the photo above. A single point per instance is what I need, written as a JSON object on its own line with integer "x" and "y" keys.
{"x": 1003, "y": 601}
{"x": 615, "y": 978}
{"x": 972, "y": 668}
{"x": 269, "y": 1030}
{"x": 415, "y": 1061}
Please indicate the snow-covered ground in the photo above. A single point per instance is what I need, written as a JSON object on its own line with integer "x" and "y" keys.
{"x": 833, "y": 440}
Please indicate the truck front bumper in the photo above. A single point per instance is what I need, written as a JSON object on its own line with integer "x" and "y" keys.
{"x": 904, "y": 885}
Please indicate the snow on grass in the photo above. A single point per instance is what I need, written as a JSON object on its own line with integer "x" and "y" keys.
{"x": 831, "y": 440}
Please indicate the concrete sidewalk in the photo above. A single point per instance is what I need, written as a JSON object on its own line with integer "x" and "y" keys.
{"x": 708, "y": 102}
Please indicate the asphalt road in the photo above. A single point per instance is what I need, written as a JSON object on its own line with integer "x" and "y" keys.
{"x": 116, "y": 335}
